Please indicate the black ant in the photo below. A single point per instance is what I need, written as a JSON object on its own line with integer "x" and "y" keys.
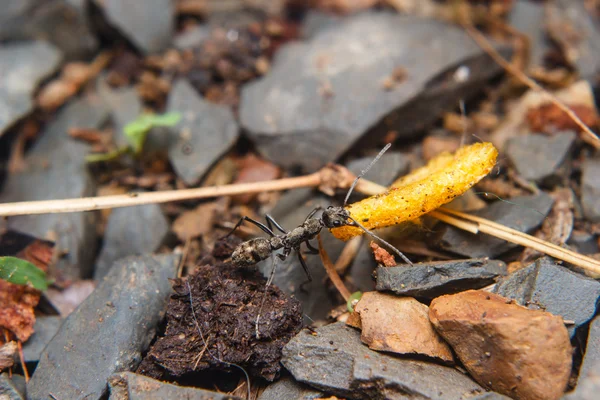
{"x": 258, "y": 249}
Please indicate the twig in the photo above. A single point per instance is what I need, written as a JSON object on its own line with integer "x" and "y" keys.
{"x": 22, "y": 360}
{"x": 331, "y": 272}
{"x": 485, "y": 45}
{"x": 348, "y": 253}
{"x": 136, "y": 199}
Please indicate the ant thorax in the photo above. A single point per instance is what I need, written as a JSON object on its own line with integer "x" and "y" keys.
{"x": 307, "y": 231}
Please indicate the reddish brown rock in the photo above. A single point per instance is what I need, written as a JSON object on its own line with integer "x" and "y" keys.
{"x": 525, "y": 354}
{"x": 399, "y": 325}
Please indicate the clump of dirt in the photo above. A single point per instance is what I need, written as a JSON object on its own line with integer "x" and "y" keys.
{"x": 221, "y": 329}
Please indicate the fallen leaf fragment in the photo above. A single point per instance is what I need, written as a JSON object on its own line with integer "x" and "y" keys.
{"x": 382, "y": 256}
{"x": 398, "y": 325}
{"x": 423, "y": 190}
{"x": 549, "y": 118}
{"x": 525, "y": 354}
{"x": 67, "y": 300}
{"x": 196, "y": 222}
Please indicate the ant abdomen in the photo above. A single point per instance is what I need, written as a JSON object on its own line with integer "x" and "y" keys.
{"x": 251, "y": 252}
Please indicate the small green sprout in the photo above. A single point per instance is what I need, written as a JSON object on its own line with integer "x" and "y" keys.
{"x": 21, "y": 272}
{"x": 136, "y": 133}
{"x": 352, "y": 300}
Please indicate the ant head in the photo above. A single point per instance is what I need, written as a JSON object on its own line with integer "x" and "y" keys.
{"x": 334, "y": 217}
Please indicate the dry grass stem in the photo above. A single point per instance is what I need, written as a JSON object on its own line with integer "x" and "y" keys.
{"x": 331, "y": 272}
{"x": 348, "y": 253}
{"x": 483, "y": 42}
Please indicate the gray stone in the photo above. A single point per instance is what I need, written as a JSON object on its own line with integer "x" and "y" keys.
{"x": 490, "y": 396}
{"x": 12, "y": 15}
{"x": 572, "y": 26}
{"x": 322, "y": 95}
{"x": 316, "y": 21}
{"x": 291, "y": 211}
{"x": 108, "y": 332}
{"x": 545, "y": 285}
{"x": 44, "y": 330}
{"x": 433, "y": 279}
{"x": 205, "y": 132}
{"x": 10, "y": 388}
{"x": 130, "y": 386}
{"x": 539, "y": 157}
{"x": 584, "y": 242}
{"x": 524, "y": 213}
{"x": 588, "y": 386}
{"x": 335, "y": 360}
{"x": 591, "y": 360}
{"x": 528, "y": 17}
{"x": 131, "y": 231}
{"x": 590, "y": 190}
{"x": 56, "y": 169}
{"x": 192, "y": 38}
{"x": 23, "y": 66}
{"x": 149, "y": 24}
{"x": 289, "y": 389}
{"x": 124, "y": 105}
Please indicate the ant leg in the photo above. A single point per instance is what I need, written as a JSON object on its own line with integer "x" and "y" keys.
{"x": 305, "y": 267}
{"x": 312, "y": 213}
{"x": 311, "y": 248}
{"x": 262, "y": 226}
{"x": 271, "y": 220}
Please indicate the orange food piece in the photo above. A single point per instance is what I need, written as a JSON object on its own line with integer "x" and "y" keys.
{"x": 423, "y": 190}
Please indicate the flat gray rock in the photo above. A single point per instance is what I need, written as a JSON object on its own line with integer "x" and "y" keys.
{"x": 10, "y": 387}
{"x": 23, "y": 66}
{"x": 539, "y": 157}
{"x": 575, "y": 29}
{"x": 108, "y": 332}
{"x": 322, "y": 95}
{"x": 205, "y": 132}
{"x": 528, "y": 17}
{"x": 588, "y": 386}
{"x": 56, "y": 169}
{"x": 131, "y": 231}
{"x": 591, "y": 360}
{"x": 148, "y": 25}
{"x": 335, "y": 360}
{"x": 289, "y": 389}
{"x": 524, "y": 213}
{"x": 550, "y": 287}
{"x": 131, "y": 386}
{"x": 433, "y": 279}
{"x": 124, "y": 105}
{"x": 44, "y": 330}
{"x": 590, "y": 189}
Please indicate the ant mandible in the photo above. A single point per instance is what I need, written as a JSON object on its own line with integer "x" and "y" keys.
{"x": 258, "y": 249}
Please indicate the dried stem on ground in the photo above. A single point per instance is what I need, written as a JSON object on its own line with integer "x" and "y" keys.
{"x": 589, "y": 136}
{"x": 331, "y": 272}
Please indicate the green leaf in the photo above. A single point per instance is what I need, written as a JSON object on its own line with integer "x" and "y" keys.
{"x": 353, "y": 297}
{"x": 137, "y": 130}
{"x": 21, "y": 272}
{"x": 110, "y": 156}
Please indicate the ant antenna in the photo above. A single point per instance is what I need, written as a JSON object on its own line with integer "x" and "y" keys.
{"x": 364, "y": 171}
{"x": 262, "y": 303}
{"x": 389, "y": 245}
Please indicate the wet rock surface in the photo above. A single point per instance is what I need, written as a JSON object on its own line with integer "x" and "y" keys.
{"x": 323, "y": 95}
{"x": 528, "y": 17}
{"x": 399, "y": 325}
{"x": 22, "y": 71}
{"x": 108, "y": 332}
{"x": 334, "y": 360}
{"x": 44, "y": 330}
{"x": 205, "y": 132}
{"x": 288, "y": 388}
{"x": 131, "y": 231}
{"x": 544, "y": 285}
{"x": 433, "y": 279}
{"x": 539, "y": 157}
{"x": 130, "y": 386}
{"x": 523, "y": 213}
{"x": 521, "y": 353}
{"x": 226, "y": 302}
{"x": 590, "y": 189}
{"x": 52, "y": 159}
{"x": 148, "y": 26}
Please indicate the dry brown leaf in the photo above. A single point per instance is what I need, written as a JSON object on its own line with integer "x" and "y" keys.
{"x": 196, "y": 222}
{"x": 67, "y": 300}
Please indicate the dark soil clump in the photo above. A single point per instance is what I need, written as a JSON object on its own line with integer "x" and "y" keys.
{"x": 221, "y": 330}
